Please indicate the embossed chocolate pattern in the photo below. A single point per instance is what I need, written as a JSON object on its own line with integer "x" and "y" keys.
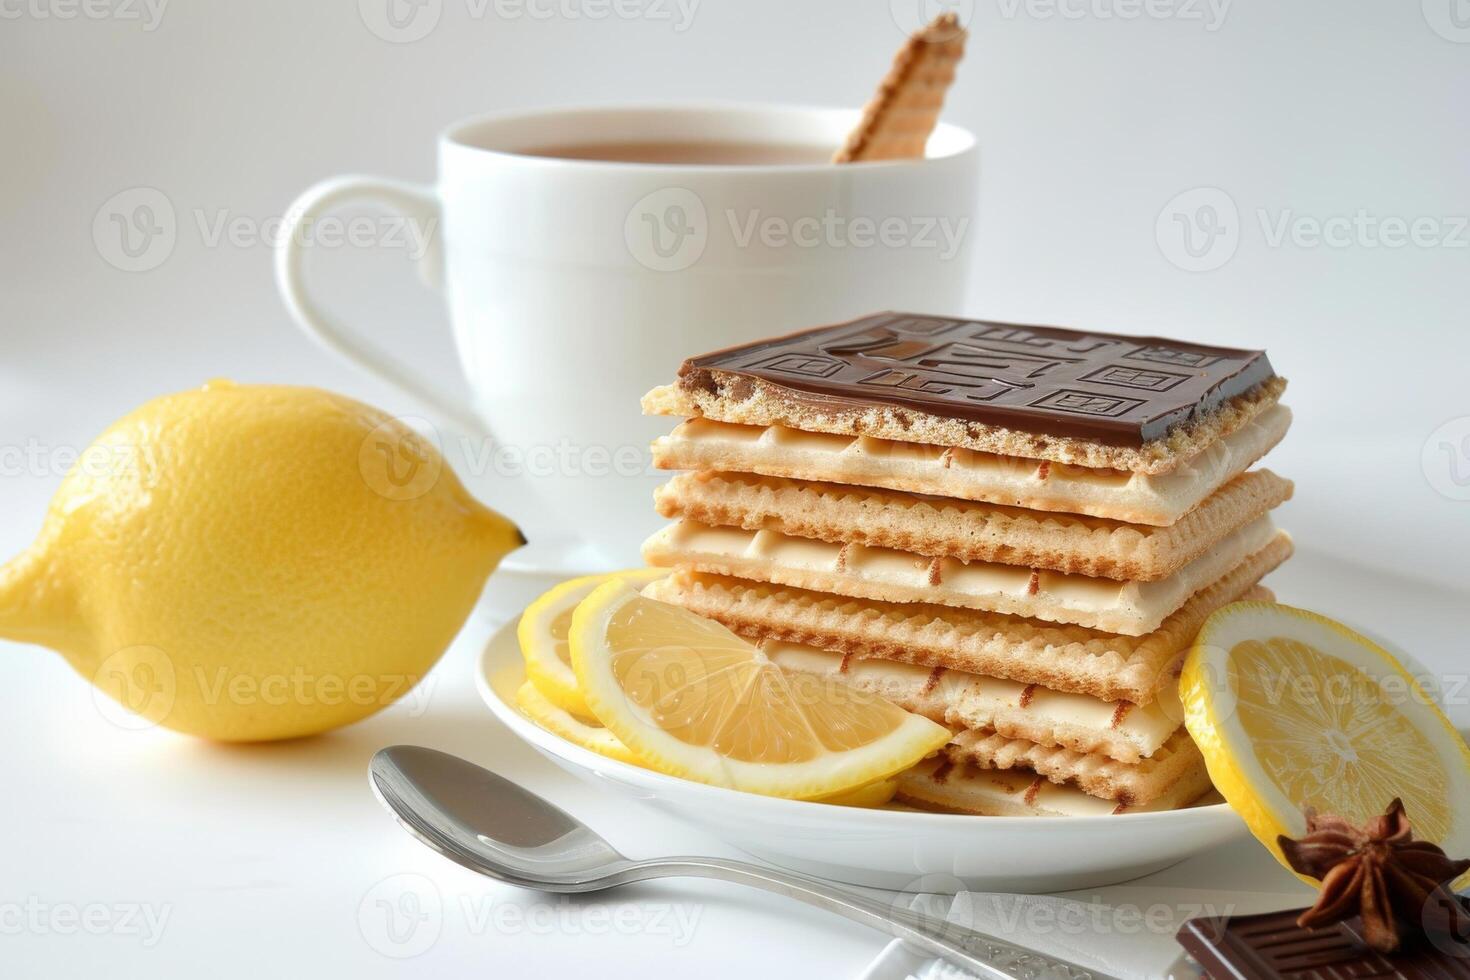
{"x": 1272, "y": 945}
{"x": 1106, "y": 387}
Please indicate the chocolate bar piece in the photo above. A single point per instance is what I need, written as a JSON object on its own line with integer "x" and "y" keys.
{"x": 1106, "y": 387}
{"x": 1264, "y": 947}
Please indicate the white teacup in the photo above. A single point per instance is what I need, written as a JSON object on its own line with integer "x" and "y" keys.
{"x": 574, "y": 286}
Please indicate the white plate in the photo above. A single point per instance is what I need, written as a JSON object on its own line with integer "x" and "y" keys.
{"x": 897, "y": 849}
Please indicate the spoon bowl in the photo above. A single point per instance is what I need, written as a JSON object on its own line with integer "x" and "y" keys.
{"x": 493, "y": 826}
{"x": 446, "y": 802}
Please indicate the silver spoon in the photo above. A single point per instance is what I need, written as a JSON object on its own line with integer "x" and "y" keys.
{"x": 489, "y": 824}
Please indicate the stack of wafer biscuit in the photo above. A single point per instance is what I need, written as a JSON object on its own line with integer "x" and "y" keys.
{"x": 1016, "y": 531}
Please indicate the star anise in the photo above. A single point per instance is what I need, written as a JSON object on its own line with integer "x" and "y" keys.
{"x": 1379, "y": 872}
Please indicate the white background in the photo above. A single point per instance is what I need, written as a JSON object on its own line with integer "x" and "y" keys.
{"x": 1093, "y": 116}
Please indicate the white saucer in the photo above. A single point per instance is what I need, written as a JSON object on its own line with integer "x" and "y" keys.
{"x": 896, "y": 849}
{"x": 558, "y": 558}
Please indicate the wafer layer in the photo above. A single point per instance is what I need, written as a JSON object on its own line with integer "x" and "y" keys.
{"x": 1033, "y": 484}
{"x": 886, "y": 575}
{"x": 897, "y": 121}
{"x": 726, "y": 397}
{"x": 1177, "y": 767}
{"x": 1118, "y": 730}
{"x": 1064, "y": 658}
{"x": 939, "y": 784}
{"x": 941, "y": 527}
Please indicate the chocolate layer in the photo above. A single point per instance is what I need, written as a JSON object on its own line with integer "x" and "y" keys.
{"x": 1106, "y": 387}
{"x": 1264, "y": 947}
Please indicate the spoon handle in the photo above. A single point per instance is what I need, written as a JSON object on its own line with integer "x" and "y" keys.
{"x": 985, "y": 956}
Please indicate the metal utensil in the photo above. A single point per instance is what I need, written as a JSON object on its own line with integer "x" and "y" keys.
{"x": 489, "y": 824}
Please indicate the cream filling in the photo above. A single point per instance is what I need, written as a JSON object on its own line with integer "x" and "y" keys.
{"x": 1016, "y": 710}
{"x": 974, "y": 475}
{"x": 1010, "y": 791}
{"x": 900, "y": 576}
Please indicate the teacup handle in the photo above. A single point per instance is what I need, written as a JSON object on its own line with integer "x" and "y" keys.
{"x": 416, "y": 203}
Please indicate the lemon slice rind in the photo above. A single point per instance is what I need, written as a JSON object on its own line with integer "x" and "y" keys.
{"x": 1212, "y": 714}
{"x": 553, "y": 677}
{"x": 560, "y": 722}
{"x": 830, "y": 773}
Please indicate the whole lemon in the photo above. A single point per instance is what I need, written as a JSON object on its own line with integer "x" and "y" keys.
{"x": 248, "y": 562}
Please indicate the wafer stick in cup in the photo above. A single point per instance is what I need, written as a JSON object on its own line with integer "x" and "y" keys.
{"x": 897, "y": 121}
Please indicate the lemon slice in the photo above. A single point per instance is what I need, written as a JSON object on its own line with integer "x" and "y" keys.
{"x": 561, "y": 722}
{"x": 1292, "y": 709}
{"x": 692, "y": 699}
{"x": 543, "y": 635}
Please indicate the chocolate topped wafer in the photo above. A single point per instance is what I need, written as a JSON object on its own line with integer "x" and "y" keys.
{"x": 1092, "y": 399}
{"x": 1014, "y": 531}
